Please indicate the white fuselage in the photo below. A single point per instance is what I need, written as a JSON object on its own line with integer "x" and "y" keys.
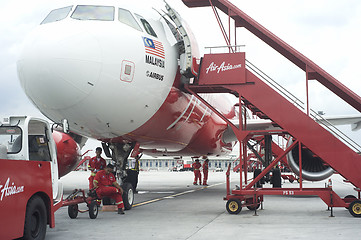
{"x": 113, "y": 72}
{"x": 79, "y": 64}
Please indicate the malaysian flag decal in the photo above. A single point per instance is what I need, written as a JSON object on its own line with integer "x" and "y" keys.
{"x": 153, "y": 47}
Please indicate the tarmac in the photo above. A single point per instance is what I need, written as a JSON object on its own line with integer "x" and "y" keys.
{"x": 169, "y": 206}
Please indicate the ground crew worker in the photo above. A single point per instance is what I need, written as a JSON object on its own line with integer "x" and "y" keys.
{"x": 106, "y": 185}
{"x": 205, "y": 170}
{"x": 96, "y": 164}
{"x": 133, "y": 172}
{"x": 197, "y": 172}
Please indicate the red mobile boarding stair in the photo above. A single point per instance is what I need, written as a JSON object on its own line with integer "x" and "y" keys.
{"x": 227, "y": 73}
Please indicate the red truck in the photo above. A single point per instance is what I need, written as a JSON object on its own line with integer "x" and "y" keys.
{"x": 33, "y": 156}
{"x": 29, "y": 189}
{"x": 183, "y": 165}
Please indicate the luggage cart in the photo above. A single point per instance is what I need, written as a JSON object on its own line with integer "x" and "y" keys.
{"x": 78, "y": 196}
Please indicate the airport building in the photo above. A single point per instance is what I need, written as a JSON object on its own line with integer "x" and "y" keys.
{"x": 171, "y": 164}
{"x": 148, "y": 164}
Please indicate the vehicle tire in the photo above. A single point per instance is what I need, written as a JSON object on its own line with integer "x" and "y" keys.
{"x": 355, "y": 208}
{"x": 290, "y": 180}
{"x": 73, "y": 211}
{"x": 128, "y": 195}
{"x": 233, "y": 206}
{"x": 93, "y": 209}
{"x": 255, "y": 174}
{"x": 252, "y": 207}
{"x": 352, "y": 197}
{"x": 276, "y": 178}
{"x": 35, "y": 219}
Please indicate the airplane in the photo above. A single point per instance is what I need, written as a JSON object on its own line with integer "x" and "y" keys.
{"x": 116, "y": 73}
{"x": 112, "y": 71}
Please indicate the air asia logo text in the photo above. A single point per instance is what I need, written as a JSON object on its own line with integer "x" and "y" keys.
{"x": 154, "y": 61}
{"x": 154, "y": 75}
{"x": 223, "y": 67}
{"x": 10, "y": 190}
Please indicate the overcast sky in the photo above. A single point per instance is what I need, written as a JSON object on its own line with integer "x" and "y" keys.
{"x": 327, "y": 32}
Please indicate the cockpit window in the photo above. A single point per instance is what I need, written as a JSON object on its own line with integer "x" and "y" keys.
{"x": 57, "y": 15}
{"x": 146, "y": 26}
{"x": 87, "y": 12}
{"x": 126, "y": 17}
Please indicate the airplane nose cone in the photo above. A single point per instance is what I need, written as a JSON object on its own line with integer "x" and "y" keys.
{"x": 58, "y": 62}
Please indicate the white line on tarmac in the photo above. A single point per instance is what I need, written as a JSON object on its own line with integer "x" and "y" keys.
{"x": 175, "y": 195}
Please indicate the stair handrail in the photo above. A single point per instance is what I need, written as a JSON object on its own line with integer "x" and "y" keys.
{"x": 335, "y": 131}
{"x": 235, "y": 47}
{"x": 275, "y": 85}
{"x": 297, "y": 102}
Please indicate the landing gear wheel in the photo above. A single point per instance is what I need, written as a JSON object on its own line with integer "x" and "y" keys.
{"x": 93, "y": 209}
{"x": 355, "y": 208}
{"x": 35, "y": 219}
{"x": 73, "y": 211}
{"x": 233, "y": 206}
{"x": 128, "y": 195}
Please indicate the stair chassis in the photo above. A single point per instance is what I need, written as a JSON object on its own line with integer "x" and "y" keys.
{"x": 270, "y": 103}
{"x": 252, "y": 197}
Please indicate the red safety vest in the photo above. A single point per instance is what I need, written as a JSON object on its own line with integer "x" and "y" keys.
{"x": 104, "y": 179}
{"x": 97, "y": 164}
{"x": 196, "y": 166}
{"x": 205, "y": 166}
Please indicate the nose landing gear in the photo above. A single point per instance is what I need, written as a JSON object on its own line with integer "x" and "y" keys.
{"x": 119, "y": 154}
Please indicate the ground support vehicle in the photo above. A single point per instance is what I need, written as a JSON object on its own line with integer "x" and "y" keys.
{"x": 78, "y": 196}
{"x": 183, "y": 165}
{"x": 290, "y": 177}
{"x": 187, "y": 165}
{"x": 92, "y": 201}
{"x": 318, "y": 143}
{"x": 29, "y": 189}
{"x": 252, "y": 197}
{"x": 32, "y": 157}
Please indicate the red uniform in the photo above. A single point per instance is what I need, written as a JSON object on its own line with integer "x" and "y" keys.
{"x": 96, "y": 164}
{"x": 205, "y": 172}
{"x": 197, "y": 172}
{"x": 106, "y": 189}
